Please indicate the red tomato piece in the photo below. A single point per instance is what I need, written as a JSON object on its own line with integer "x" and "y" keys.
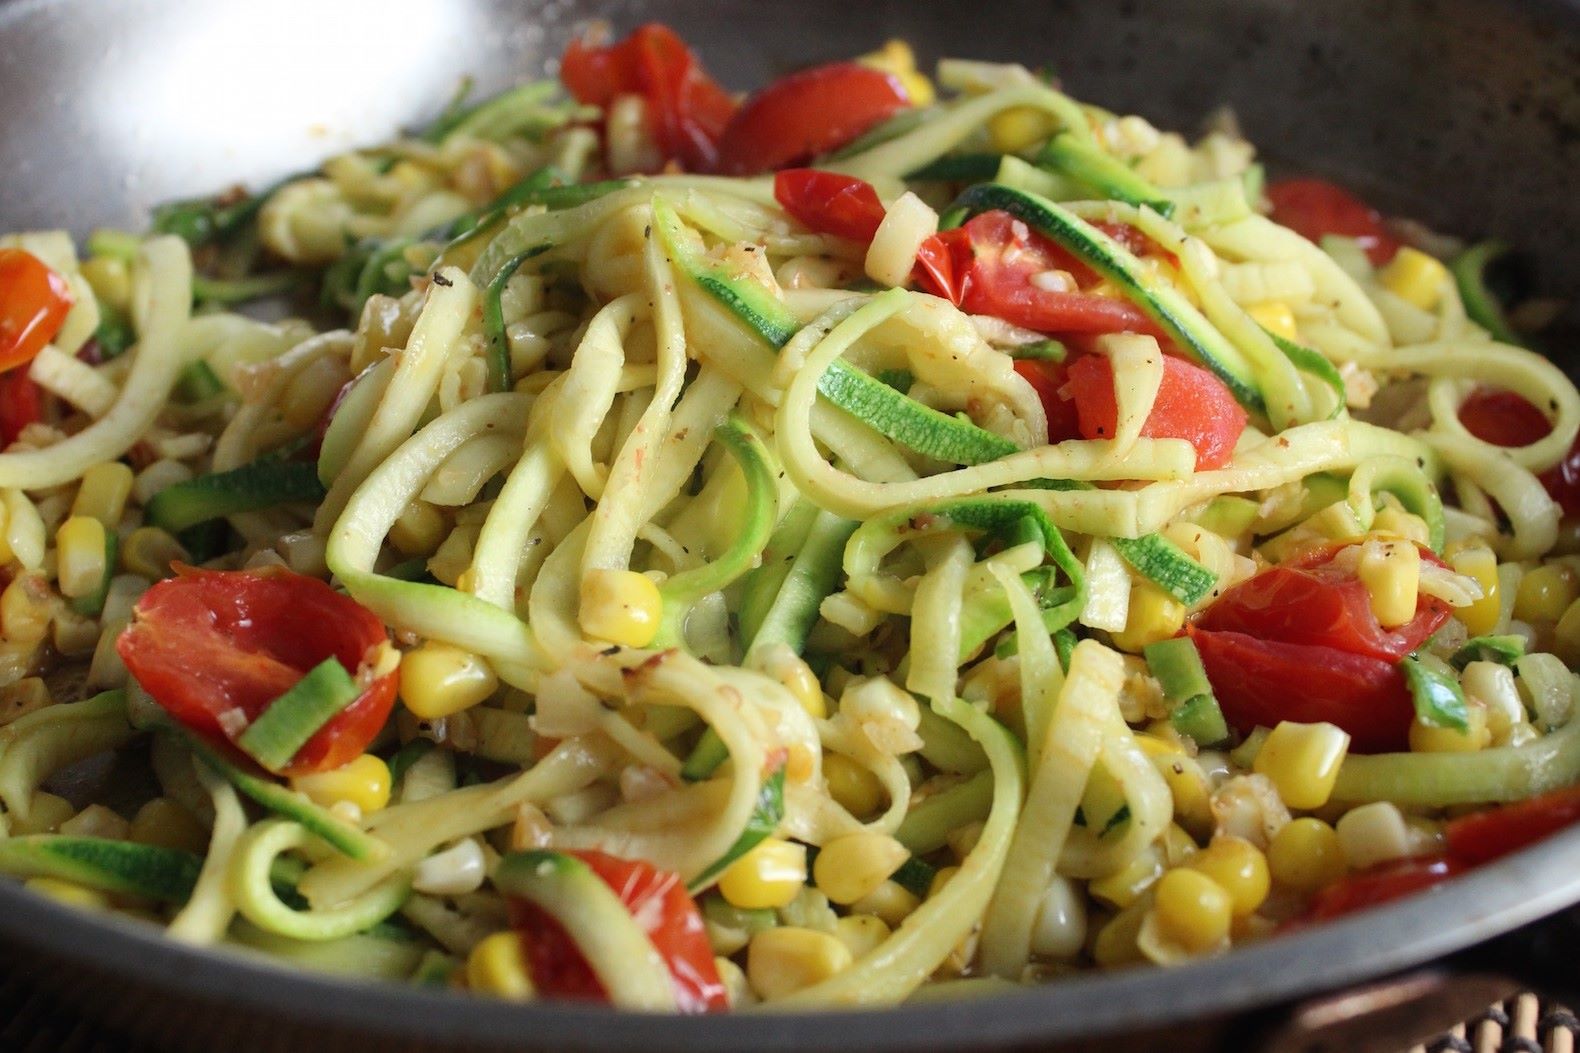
{"x": 830, "y": 203}
{"x": 21, "y": 404}
{"x": 1380, "y": 884}
{"x": 1314, "y": 207}
{"x": 686, "y": 108}
{"x": 986, "y": 266}
{"x": 1484, "y": 836}
{"x": 1261, "y": 682}
{"x": 1309, "y": 601}
{"x": 1506, "y": 419}
{"x": 658, "y": 900}
{"x": 1049, "y": 379}
{"x": 1191, "y": 404}
{"x": 214, "y": 648}
{"x": 799, "y": 117}
{"x": 34, "y": 301}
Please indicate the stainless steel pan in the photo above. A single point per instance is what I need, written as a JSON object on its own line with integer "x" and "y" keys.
{"x": 1463, "y": 114}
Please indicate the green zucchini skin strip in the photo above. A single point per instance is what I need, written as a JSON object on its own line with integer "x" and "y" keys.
{"x": 252, "y": 487}
{"x": 92, "y": 604}
{"x": 1090, "y": 166}
{"x": 256, "y": 898}
{"x": 1505, "y": 650}
{"x": 1171, "y": 311}
{"x": 1193, "y": 708}
{"x": 1308, "y": 361}
{"x": 927, "y": 826}
{"x": 765, "y": 819}
{"x": 102, "y": 863}
{"x": 620, "y": 953}
{"x": 1166, "y": 565}
{"x": 494, "y": 319}
{"x": 1439, "y": 701}
{"x": 1469, "y": 269}
{"x": 296, "y": 716}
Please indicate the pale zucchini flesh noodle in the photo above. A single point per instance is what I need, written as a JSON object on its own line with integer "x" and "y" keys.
{"x": 721, "y": 540}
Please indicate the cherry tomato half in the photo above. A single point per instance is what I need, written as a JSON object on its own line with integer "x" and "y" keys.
{"x": 1506, "y": 419}
{"x": 34, "y": 301}
{"x": 1191, "y": 404}
{"x": 799, "y": 117}
{"x": 1314, "y": 207}
{"x": 1496, "y": 832}
{"x": 21, "y": 404}
{"x": 1380, "y": 884}
{"x": 214, "y": 648}
{"x": 830, "y": 203}
{"x": 658, "y": 900}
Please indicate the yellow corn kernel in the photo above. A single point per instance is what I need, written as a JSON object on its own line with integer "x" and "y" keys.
{"x": 1239, "y": 868}
{"x": 80, "y": 555}
{"x": 890, "y": 901}
{"x": 620, "y": 606}
{"x": 1192, "y": 910}
{"x": 1303, "y": 761}
{"x": 896, "y": 57}
{"x": 26, "y": 609}
{"x": 1306, "y": 855}
{"x": 1374, "y": 833}
{"x": 1276, "y": 317}
{"x": 768, "y": 877}
{"x": 1189, "y": 787}
{"x": 21, "y": 697}
{"x": 1415, "y": 277}
{"x": 1546, "y": 593}
{"x": 419, "y": 530}
{"x": 1154, "y": 616}
{"x": 498, "y": 966}
{"x": 103, "y": 493}
{"x": 111, "y": 279}
{"x": 787, "y": 667}
{"x": 861, "y": 933}
{"x": 364, "y": 782}
{"x": 439, "y": 679}
{"x": 852, "y": 785}
{"x": 1015, "y": 129}
{"x": 149, "y": 551}
{"x": 940, "y": 879}
{"x": 164, "y": 823}
{"x": 1178, "y": 846}
{"x": 45, "y": 813}
{"x": 67, "y": 893}
{"x": 783, "y": 960}
{"x": 97, "y": 821}
{"x": 1566, "y": 635}
{"x": 852, "y": 867}
{"x": 1481, "y": 617}
{"x": 1424, "y": 738}
{"x": 1391, "y": 522}
{"x": 1115, "y": 943}
{"x": 1125, "y": 885}
{"x": 1391, "y": 572}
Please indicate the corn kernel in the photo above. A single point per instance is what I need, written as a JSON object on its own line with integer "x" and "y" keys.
{"x": 1276, "y": 317}
{"x": 164, "y": 823}
{"x": 784, "y": 665}
{"x": 364, "y": 782}
{"x": 1306, "y": 855}
{"x": 1177, "y": 846}
{"x": 103, "y": 493}
{"x": 1059, "y": 928}
{"x": 1126, "y": 885}
{"x": 852, "y": 867}
{"x": 1193, "y": 911}
{"x": 1188, "y": 786}
{"x": 1017, "y": 128}
{"x": 896, "y": 57}
{"x": 67, "y": 893}
{"x": 21, "y": 697}
{"x": 1374, "y": 833}
{"x": 26, "y": 609}
{"x": 861, "y": 933}
{"x": 853, "y": 786}
{"x": 1391, "y": 523}
{"x": 1115, "y": 944}
{"x": 1492, "y": 685}
{"x": 767, "y": 877}
{"x": 941, "y": 878}
{"x": 149, "y": 551}
{"x": 1566, "y": 636}
{"x": 1546, "y": 593}
{"x": 1424, "y": 738}
{"x": 620, "y": 606}
{"x": 1481, "y": 617}
{"x": 1239, "y": 868}
{"x": 45, "y": 813}
{"x": 111, "y": 279}
{"x": 784, "y": 960}
{"x": 439, "y": 680}
{"x": 96, "y": 821}
{"x": 1154, "y": 616}
{"x": 419, "y": 530}
{"x": 1415, "y": 277}
{"x": 80, "y": 554}
{"x": 1391, "y": 572}
{"x": 890, "y": 901}
{"x": 1302, "y": 760}
{"x": 498, "y": 966}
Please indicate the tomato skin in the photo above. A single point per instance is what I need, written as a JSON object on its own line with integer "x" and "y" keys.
{"x": 34, "y": 301}
{"x": 208, "y": 642}
{"x": 687, "y": 110}
{"x": 1314, "y": 207}
{"x": 1261, "y": 682}
{"x": 1191, "y": 404}
{"x": 1049, "y": 378}
{"x": 1380, "y": 884}
{"x": 1496, "y": 832}
{"x": 986, "y": 265}
{"x": 805, "y": 114}
{"x": 830, "y": 203}
{"x": 1309, "y": 601}
{"x": 1504, "y": 418}
{"x": 676, "y": 929}
{"x": 21, "y": 404}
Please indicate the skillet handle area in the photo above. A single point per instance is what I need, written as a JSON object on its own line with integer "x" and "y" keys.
{"x": 1543, "y": 956}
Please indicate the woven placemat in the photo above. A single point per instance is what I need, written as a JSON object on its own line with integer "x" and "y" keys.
{"x": 34, "y": 1021}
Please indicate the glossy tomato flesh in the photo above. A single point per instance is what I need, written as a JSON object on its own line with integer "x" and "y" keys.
{"x": 1504, "y": 418}
{"x": 1049, "y": 378}
{"x": 658, "y": 900}
{"x": 805, "y": 114}
{"x": 1496, "y": 832}
{"x": 1380, "y": 884}
{"x": 830, "y": 203}
{"x": 1314, "y": 207}
{"x": 1191, "y": 404}
{"x": 34, "y": 301}
{"x": 687, "y": 110}
{"x": 21, "y": 404}
{"x": 214, "y": 648}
